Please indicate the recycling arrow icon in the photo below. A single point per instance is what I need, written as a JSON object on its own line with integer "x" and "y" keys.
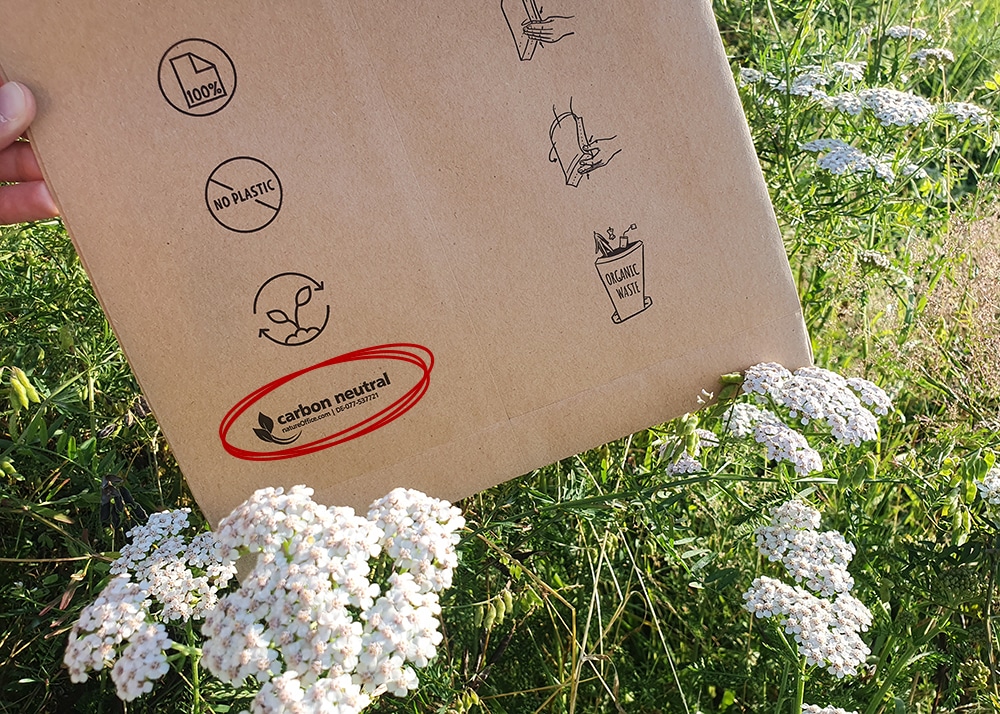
{"x": 291, "y": 309}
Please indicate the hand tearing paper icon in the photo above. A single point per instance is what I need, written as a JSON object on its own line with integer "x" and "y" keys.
{"x": 530, "y": 28}
{"x": 577, "y": 153}
{"x": 548, "y": 29}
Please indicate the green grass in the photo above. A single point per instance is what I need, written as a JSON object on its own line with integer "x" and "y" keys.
{"x": 626, "y": 582}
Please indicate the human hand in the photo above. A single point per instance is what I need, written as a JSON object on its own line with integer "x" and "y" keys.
{"x": 550, "y": 29}
{"x": 599, "y": 152}
{"x": 28, "y": 198}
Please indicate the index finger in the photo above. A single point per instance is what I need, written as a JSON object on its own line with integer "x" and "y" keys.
{"x": 18, "y": 163}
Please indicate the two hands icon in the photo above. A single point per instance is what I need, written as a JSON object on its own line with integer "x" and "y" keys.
{"x": 578, "y": 153}
{"x": 598, "y": 153}
{"x": 549, "y": 29}
{"x": 531, "y": 29}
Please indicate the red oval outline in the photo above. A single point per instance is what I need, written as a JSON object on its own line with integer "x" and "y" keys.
{"x": 403, "y": 352}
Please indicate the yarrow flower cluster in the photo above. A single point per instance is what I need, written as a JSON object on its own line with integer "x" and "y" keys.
{"x": 311, "y": 622}
{"x": 337, "y": 609}
{"x": 116, "y": 624}
{"x": 850, "y": 70}
{"x": 183, "y": 570}
{"x": 824, "y": 628}
{"x": 816, "y": 394}
{"x": 810, "y": 394}
{"x": 842, "y": 158}
{"x": 902, "y": 32}
{"x": 932, "y": 55}
{"x": 782, "y": 442}
{"x": 685, "y": 464}
{"x": 819, "y": 559}
{"x": 164, "y": 574}
{"x": 989, "y": 487}
{"x": 966, "y": 112}
{"x": 893, "y": 107}
{"x": 807, "y": 83}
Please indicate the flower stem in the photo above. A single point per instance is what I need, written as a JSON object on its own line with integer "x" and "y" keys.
{"x": 195, "y": 667}
{"x": 800, "y": 687}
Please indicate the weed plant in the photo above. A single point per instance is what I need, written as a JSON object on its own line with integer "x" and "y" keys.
{"x": 613, "y": 581}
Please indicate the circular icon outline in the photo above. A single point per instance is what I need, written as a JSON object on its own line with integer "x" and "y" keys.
{"x": 187, "y": 111}
{"x": 316, "y": 286}
{"x": 277, "y": 209}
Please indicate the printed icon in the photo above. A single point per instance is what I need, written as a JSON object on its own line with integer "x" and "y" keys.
{"x": 266, "y": 431}
{"x": 577, "y": 153}
{"x": 620, "y": 266}
{"x": 243, "y": 194}
{"x": 530, "y": 27}
{"x": 197, "y": 77}
{"x": 290, "y": 309}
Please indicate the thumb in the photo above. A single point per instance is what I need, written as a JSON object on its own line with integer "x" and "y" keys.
{"x": 17, "y": 109}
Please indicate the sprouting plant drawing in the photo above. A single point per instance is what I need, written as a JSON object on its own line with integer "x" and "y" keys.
{"x": 292, "y": 322}
{"x": 302, "y": 298}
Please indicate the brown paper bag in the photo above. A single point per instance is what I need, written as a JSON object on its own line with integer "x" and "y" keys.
{"x": 367, "y": 244}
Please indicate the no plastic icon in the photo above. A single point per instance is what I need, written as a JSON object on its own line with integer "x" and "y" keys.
{"x": 197, "y": 77}
{"x": 243, "y": 194}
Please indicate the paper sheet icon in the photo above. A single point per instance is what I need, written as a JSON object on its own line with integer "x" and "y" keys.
{"x": 198, "y": 78}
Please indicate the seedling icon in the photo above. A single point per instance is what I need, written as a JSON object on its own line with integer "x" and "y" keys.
{"x": 301, "y": 317}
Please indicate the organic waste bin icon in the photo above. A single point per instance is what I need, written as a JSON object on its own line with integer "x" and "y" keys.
{"x": 620, "y": 266}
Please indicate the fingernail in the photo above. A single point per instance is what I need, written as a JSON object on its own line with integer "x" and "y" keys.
{"x": 12, "y": 102}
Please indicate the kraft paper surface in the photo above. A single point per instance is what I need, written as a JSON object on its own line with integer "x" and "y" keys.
{"x": 367, "y": 244}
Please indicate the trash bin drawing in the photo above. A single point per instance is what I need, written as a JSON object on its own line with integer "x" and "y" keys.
{"x": 622, "y": 274}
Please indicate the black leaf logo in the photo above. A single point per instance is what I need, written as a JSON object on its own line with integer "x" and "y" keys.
{"x": 266, "y": 422}
{"x": 264, "y": 435}
{"x": 265, "y": 432}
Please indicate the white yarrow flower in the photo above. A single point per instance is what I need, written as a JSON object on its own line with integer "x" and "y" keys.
{"x": 850, "y": 70}
{"x": 966, "y": 112}
{"x": 685, "y": 464}
{"x": 902, "y": 32}
{"x": 896, "y": 108}
{"x": 845, "y": 103}
{"x": 807, "y": 83}
{"x": 782, "y": 442}
{"x": 825, "y": 630}
{"x": 932, "y": 55}
{"x": 765, "y": 379}
{"x": 309, "y": 623}
{"x": 989, "y": 487}
{"x": 819, "y": 559}
{"x": 842, "y": 158}
{"x": 114, "y": 627}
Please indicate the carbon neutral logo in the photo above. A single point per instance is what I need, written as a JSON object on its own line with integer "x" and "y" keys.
{"x": 304, "y": 414}
{"x": 330, "y": 403}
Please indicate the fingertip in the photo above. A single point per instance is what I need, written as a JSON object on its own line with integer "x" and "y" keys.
{"x": 17, "y": 110}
